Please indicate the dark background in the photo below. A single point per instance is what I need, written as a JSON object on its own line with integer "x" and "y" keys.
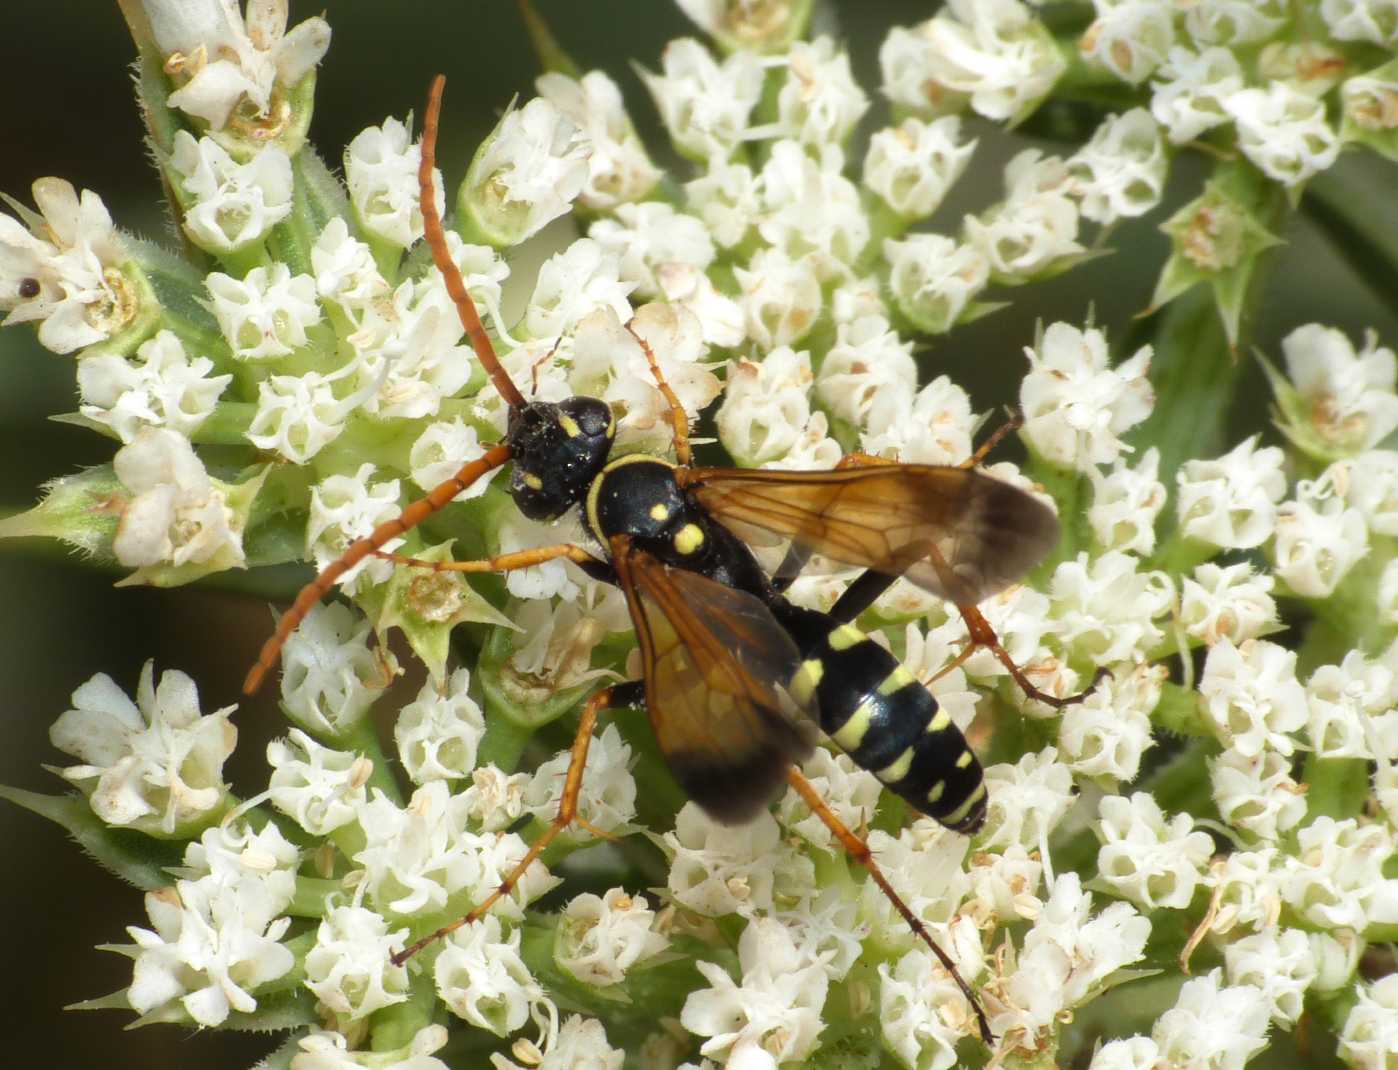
{"x": 69, "y": 112}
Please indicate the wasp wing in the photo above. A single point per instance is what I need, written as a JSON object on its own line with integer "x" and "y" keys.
{"x": 956, "y": 532}
{"x": 716, "y": 663}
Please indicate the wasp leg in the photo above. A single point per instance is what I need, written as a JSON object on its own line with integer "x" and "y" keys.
{"x": 510, "y": 562}
{"x": 409, "y": 518}
{"x": 793, "y": 564}
{"x": 679, "y": 419}
{"x": 976, "y": 459}
{"x": 859, "y": 851}
{"x": 861, "y": 594}
{"x": 609, "y": 698}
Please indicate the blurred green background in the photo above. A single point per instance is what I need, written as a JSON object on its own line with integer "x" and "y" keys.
{"x": 65, "y": 80}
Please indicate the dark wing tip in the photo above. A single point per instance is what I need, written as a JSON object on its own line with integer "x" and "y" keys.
{"x": 1015, "y": 531}
{"x": 734, "y": 792}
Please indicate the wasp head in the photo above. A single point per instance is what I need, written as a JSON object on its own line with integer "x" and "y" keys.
{"x": 558, "y": 449}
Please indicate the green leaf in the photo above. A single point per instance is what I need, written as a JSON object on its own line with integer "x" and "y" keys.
{"x": 80, "y": 509}
{"x": 134, "y": 857}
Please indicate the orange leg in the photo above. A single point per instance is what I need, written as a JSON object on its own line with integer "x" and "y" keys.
{"x": 679, "y": 421}
{"x": 859, "y": 851}
{"x": 978, "y": 458}
{"x": 501, "y": 562}
{"x": 358, "y": 550}
{"x": 567, "y": 814}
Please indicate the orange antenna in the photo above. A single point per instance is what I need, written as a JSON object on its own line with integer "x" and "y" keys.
{"x": 441, "y": 255}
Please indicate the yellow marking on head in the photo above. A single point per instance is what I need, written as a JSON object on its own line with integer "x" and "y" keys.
{"x": 959, "y": 814}
{"x": 844, "y": 637}
{"x": 965, "y": 759}
{"x": 898, "y": 679}
{"x": 806, "y": 680}
{"x": 851, "y": 733}
{"x": 660, "y": 511}
{"x": 941, "y": 722}
{"x": 935, "y": 795}
{"x": 897, "y": 769}
{"x": 569, "y": 425}
{"x": 532, "y": 481}
{"x": 689, "y": 538}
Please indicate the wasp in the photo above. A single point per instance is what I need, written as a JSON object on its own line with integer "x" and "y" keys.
{"x": 736, "y": 679}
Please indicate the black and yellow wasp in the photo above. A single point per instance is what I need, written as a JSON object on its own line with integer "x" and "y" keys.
{"x": 736, "y": 678}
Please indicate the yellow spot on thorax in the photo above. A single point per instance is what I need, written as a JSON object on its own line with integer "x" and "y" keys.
{"x": 660, "y": 511}
{"x": 689, "y": 538}
{"x": 532, "y": 481}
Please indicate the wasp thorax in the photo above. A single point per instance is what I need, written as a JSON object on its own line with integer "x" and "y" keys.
{"x": 558, "y": 449}
{"x": 637, "y": 496}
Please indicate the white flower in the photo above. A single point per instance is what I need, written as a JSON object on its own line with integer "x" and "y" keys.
{"x": 933, "y": 426}
{"x": 345, "y": 508}
{"x": 1212, "y": 1026}
{"x": 867, "y": 359}
{"x": 1369, "y": 482}
{"x": 922, "y": 1012}
{"x": 1144, "y": 858}
{"x": 265, "y": 314}
{"x": 62, "y": 269}
{"x": 330, "y": 1051}
{"x": 415, "y": 857}
{"x": 765, "y": 406}
{"x": 1019, "y": 615}
{"x": 214, "y": 942}
{"x": 1349, "y": 396}
{"x": 438, "y": 732}
{"x": 1130, "y": 38}
{"x": 811, "y": 208}
{"x": 176, "y": 514}
{"x": 1026, "y": 801}
{"x": 1121, "y": 172}
{"x": 1004, "y": 886}
{"x": 618, "y": 169}
{"x": 721, "y": 869}
{"x": 849, "y": 791}
{"x": 1106, "y": 734}
{"x": 775, "y": 1007}
{"x": 1248, "y": 890}
{"x": 319, "y": 788}
{"x": 555, "y": 578}
{"x": 1251, "y": 693}
{"x": 1188, "y": 95}
{"x": 299, "y": 415}
{"x": 1335, "y": 880}
{"x": 645, "y": 237}
{"x": 1230, "y": 501}
{"x": 349, "y": 969}
{"x": 913, "y": 165}
{"x": 1230, "y": 601}
{"x": 1034, "y": 231}
{"x": 482, "y": 979}
{"x": 933, "y": 279}
{"x": 572, "y": 284}
{"x": 1319, "y": 539}
{"x": 720, "y": 317}
{"x": 819, "y": 102}
{"x": 1132, "y": 1053}
{"x": 1075, "y": 404}
{"x": 727, "y": 198}
{"x": 441, "y": 450}
{"x": 1234, "y": 22}
{"x": 1125, "y": 504}
{"x": 705, "y": 105}
{"x": 607, "y": 801}
{"x": 381, "y": 166}
{"x": 161, "y": 388}
{"x": 345, "y": 270}
{"x": 580, "y": 1044}
{"x": 1361, "y": 20}
{"x": 1369, "y": 1040}
{"x": 1369, "y": 103}
{"x": 328, "y": 670}
{"x": 1067, "y": 956}
{"x": 994, "y": 53}
{"x": 781, "y": 297}
{"x": 229, "y": 205}
{"x": 1353, "y": 711}
{"x": 1277, "y": 962}
{"x": 1105, "y": 610}
{"x": 599, "y": 938}
{"x": 157, "y": 762}
{"x": 826, "y": 925}
{"x": 527, "y": 172}
{"x": 1283, "y": 131}
{"x": 1255, "y": 794}
{"x": 219, "y": 59}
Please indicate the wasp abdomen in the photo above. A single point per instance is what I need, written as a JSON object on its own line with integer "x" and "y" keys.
{"x": 879, "y": 714}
